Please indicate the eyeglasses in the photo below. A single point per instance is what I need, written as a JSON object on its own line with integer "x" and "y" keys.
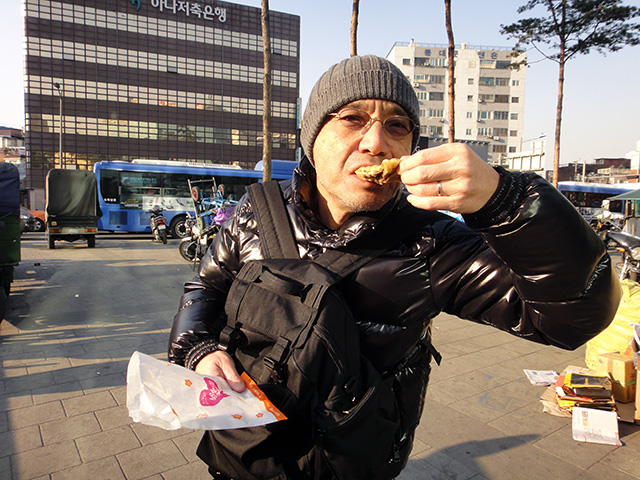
{"x": 356, "y": 120}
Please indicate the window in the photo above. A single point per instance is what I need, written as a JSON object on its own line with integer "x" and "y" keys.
{"x": 499, "y": 148}
{"x": 502, "y": 82}
{"x": 419, "y": 62}
{"x": 483, "y": 115}
{"x": 468, "y": 131}
{"x": 498, "y": 115}
{"x": 484, "y": 131}
{"x": 514, "y": 116}
{"x": 469, "y": 98}
{"x": 436, "y": 112}
{"x": 470, "y": 81}
{"x": 436, "y": 96}
{"x": 513, "y": 133}
{"x": 512, "y": 149}
{"x": 487, "y": 81}
{"x": 500, "y": 132}
{"x": 502, "y": 99}
{"x": 406, "y": 61}
{"x": 503, "y": 64}
{"x": 515, "y": 99}
{"x": 469, "y": 114}
{"x": 483, "y": 97}
{"x": 515, "y": 83}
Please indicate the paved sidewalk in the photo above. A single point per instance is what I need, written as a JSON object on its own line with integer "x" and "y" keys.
{"x": 76, "y": 315}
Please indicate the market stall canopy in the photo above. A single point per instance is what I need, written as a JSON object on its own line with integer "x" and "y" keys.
{"x": 632, "y": 195}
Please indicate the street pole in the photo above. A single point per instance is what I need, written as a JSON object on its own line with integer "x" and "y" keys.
{"x": 59, "y": 88}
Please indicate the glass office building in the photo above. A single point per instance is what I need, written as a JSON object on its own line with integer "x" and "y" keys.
{"x": 159, "y": 79}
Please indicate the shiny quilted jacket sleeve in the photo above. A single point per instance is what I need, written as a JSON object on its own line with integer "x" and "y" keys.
{"x": 546, "y": 276}
{"x": 200, "y": 315}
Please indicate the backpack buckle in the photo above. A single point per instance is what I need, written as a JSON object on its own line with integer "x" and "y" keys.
{"x": 230, "y": 338}
{"x": 275, "y": 360}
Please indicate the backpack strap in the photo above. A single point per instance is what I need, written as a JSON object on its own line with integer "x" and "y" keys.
{"x": 276, "y": 234}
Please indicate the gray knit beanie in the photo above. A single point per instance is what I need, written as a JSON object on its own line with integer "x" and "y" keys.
{"x": 357, "y": 78}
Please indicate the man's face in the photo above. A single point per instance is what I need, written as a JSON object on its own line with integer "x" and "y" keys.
{"x": 339, "y": 151}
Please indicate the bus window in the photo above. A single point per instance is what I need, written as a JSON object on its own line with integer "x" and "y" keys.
{"x": 110, "y": 186}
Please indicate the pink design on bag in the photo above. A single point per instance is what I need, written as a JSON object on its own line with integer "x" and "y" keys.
{"x": 212, "y": 395}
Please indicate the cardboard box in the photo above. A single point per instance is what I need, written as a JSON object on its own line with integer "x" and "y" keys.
{"x": 623, "y": 375}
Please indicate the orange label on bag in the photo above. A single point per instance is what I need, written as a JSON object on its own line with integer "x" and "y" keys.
{"x": 259, "y": 394}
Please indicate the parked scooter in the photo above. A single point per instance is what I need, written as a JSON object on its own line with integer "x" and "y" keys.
{"x": 158, "y": 224}
{"x": 629, "y": 245}
{"x": 602, "y": 226}
{"x": 203, "y": 228}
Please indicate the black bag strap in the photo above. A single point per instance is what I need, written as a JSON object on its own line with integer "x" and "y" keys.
{"x": 279, "y": 242}
{"x": 271, "y": 215}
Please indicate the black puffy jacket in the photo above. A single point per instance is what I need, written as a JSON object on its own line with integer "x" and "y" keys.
{"x": 531, "y": 266}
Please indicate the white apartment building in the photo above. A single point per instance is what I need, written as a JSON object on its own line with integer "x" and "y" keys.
{"x": 489, "y": 93}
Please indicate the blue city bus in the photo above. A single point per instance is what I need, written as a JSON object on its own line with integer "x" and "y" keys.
{"x": 588, "y": 197}
{"x": 126, "y": 190}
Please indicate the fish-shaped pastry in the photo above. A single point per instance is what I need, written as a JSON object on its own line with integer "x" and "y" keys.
{"x": 380, "y": 174}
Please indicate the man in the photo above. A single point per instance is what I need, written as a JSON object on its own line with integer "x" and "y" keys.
{"x": 523, "y": 261}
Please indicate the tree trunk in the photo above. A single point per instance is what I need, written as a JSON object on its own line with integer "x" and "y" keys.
{"x": 451, "y": 70}
{"x": 354, "y": 28}
{"x": 267, "y": 140}
{"x": 556, "y": 150}
{"x": 561, "y": 62}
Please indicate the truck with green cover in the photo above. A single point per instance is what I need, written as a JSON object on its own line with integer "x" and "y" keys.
{"x": 72, "y": 206}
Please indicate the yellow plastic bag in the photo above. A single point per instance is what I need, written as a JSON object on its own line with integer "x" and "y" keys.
{"x": 616, "y": 337}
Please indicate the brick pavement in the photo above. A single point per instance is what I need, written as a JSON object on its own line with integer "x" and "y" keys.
{"x": 77, "y": 314}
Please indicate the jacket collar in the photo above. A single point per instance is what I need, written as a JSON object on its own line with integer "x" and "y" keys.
{"x": 304, "y": 195}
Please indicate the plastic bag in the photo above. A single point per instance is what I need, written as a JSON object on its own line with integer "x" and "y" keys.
{"x": 617, "y": 336}
{"x": 165, "y": 395}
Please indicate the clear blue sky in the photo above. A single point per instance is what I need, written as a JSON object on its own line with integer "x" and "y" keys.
{"x": 602, "y": 93}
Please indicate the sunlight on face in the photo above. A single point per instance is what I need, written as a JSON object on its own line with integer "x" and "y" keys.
{"x": 339, "y": 152}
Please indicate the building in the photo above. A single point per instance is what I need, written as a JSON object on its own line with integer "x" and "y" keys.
{"x": 489, "y": 93}
{"x": 634, "y": 164}
{"x": 12, "y": 150}
{"x": 12, "y": 145}
{"x": 159, "y": 79}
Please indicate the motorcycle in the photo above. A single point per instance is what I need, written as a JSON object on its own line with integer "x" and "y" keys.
{"x": 603, "y": 226}
{"x": 158, "y": 224}
{"x": 203, "y": 228}
{"x": 629, "y": 246}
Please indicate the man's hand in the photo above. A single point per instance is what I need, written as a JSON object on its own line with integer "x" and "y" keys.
{"x": 448, "y": 177}
{"x": 220, "y": 364}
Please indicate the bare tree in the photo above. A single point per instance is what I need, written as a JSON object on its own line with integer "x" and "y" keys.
{"x": 354, "y": 27}
{"x": 451, "y": 49}
{"x": 574, "y": 27}
{"x": 267, "y": 138}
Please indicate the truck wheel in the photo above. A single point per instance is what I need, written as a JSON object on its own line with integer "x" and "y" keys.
{"x": 91, "y": 241}
{"x": 52, "y": 242}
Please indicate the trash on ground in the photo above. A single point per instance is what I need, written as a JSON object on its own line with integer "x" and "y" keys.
{"x": 541, "y": 378}
{"x": 595, "y": 426}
